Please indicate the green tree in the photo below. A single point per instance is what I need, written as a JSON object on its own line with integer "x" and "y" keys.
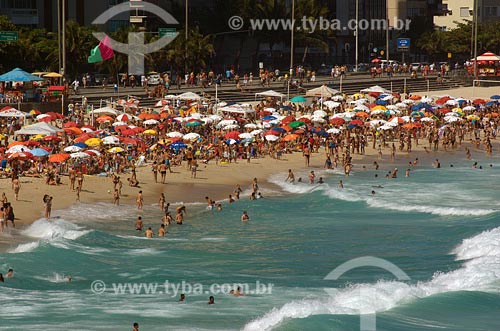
{"x": 199, "y": 50}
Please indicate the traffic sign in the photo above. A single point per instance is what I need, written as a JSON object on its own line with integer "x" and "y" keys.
{"x": 167, "y": 32}
{"x": 9, "y": 36}
{"x": 403, "y": 43}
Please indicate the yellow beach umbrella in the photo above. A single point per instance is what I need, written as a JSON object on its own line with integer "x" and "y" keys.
{"x": 92, "y": 142}
{"x": 37, "y": 137}
{"x": 150, "y": 132}
{"x": 116, "y": 150}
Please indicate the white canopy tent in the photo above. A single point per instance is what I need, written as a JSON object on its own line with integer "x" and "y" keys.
{"x": 376, "y": 89}
{"x": 38, "y": 128}
{"x": 270, "y": 93}
{"x": 322, "y": 92}
{"x": 237, "y": 109}
{"x": 188, "y": 96}
{"x": 104, "y": 111}
{"x": 13, "y": 112}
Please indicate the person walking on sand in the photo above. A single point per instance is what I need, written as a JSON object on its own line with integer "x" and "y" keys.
{"x": 140, "y": 200}
{"x": 307, "y": 154}
{"x": 72, "y": 178}
{"x": 16, "y": 186}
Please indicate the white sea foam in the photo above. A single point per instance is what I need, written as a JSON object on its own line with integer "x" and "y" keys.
{"x": 56, "y": 229}
{"x": 480, "y": 272}
{"x": 54, "y": 278}
{"x": 25, "y": 248}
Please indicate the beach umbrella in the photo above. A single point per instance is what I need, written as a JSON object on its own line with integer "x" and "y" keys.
{"x": 174, "y": 134}
{"x": 271, "y": 137}
{"x": 296, "y": 124}
{"x": 20, "y": 155}
{"x": 331, "y": 104}
{"x": 250, "y": 126}
{"x": 81, "y": 145}
{"x": 79, "y": 155}
{"x": 70, "y": 124}
{"x": 150, "y": 122}
{"x": 426, "y": 119}
{"x": 245, "y": 135}
{"x": 337, "y": 121}
{"x": 231, "y": 142}
{"x": 116, "y": 150}
{"x": 39, "y": 152}
{"x": 58, "y": 158}
{"x": 333, "y": 131}
{"x": 231, "y": 127}
{"x": 72, "y": 149}
{"x": 51, "y": 138}
{"x": 104, "y": 118}
{"x": 119, "y": 123}
{"x": 124, "y": 118}
{"x": 110, "y": 140}
{"x": 320, "y": 113}
{"x": 298, "y": 99}
{"x": 73, "y": 131}
{"x": 178, "y": 145}
{"x": 17, "y": 149}
{"x": 495, "y": 97}
{"x": 451, "y": 103}
{"x": 92, "y": 142}
{"x": 356, "y": 122}
{"x": 473, "y": 118}
{"x": 191, "y": 136}
{"x": 232, "y": 135}
{"x": 193, "y": 123}
{"x": 256, "y": 132}
{"x": 469, "y": 108}
{"x": 291, "y": 137}
{"x": 16, "y": 143}
{"x": 87, "y": 129}
{"x": 150, "y": 132}
{"x": 385, "y": 127}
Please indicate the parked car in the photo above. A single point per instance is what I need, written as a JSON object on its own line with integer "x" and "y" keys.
{"x": 415, "y": 66}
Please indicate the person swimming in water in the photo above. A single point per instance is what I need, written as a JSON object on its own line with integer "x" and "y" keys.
{"x": 139, "y": 224}
{"x": 149, "y": 233}
{"x": 211, "y": 300}
{"x": 245, "y": 217}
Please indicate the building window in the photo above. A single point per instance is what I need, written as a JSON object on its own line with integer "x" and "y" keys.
{"x": 464, "y": 11}
{"x": 490, "y": 11}
{"x": 18, "y": 4}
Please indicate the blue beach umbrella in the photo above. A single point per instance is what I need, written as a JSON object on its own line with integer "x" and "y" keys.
{"x": 39, "y": 152}
{"x": 19, "y": 75}
{"x": 381, "y": 102}
{"x": 269, "y": 118}
{"x": 280, "y": 130}
{"x": 178, "y": 145}
{"x": 81, "y": 145}
{"x": 495, "y": 97}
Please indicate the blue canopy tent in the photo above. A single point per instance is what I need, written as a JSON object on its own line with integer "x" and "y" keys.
{"x": 18, "y": 75}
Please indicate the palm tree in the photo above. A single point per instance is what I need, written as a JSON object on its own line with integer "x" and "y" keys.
{"x": 306, "y": 39}
{"x": 200, "y": 49}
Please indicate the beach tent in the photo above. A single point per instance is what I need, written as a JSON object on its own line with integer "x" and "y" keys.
{"x": 13, "y": 112}
{"x": 322, "y": 92}
{"x": 376, "y": 89}
{"x": 188, "y": 96}
{"x": 488, "y": 56}
{"x": 18, "y": 75}
{"x": 270, "y": 93}
{"x": 39, "y": 128}
{"x": 104, "y": 111}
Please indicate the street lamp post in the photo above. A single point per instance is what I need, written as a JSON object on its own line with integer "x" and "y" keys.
{"x": 186, "y": 38}
{"x": 59, "y": 34}
{"x": 291, "y": 47}
{"x": 357, "y": 35}
{"x": 476, "y": 5}
{"x": 63, "y": 22}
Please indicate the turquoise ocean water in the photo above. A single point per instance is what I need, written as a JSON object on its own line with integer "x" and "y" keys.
{"x": 440, "y": 226}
